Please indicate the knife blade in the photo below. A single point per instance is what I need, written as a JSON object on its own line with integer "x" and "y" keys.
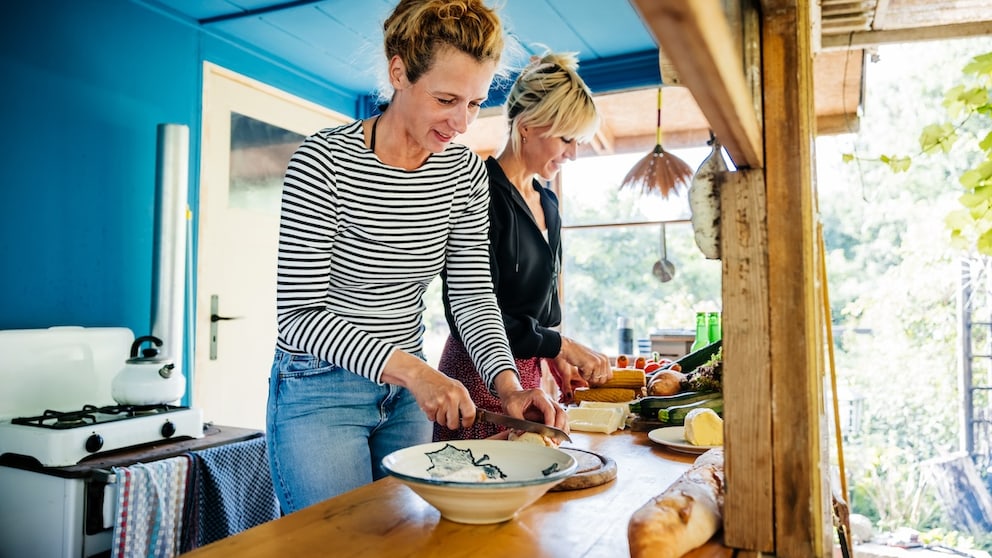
{"x": 521, "y": 424}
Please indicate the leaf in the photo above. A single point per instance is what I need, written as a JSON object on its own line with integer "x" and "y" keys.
{"x": 978, "y": 211}
{"x": 977, "y": 177}
{"x": 985, "y": 243}
{"x": 958, "y": 219}
{"x": 986, "y": 144}
{"x": 953, "y": 102}
{"x": 898, "y": 164}
{"x": 937, "y": 137}
{"x": 980, "y": 65}
{"x": 848, "y": 157}
{"x": 959, "y": 241}
{"x": 973, "y": 200}
{"x": 975, "y": 97}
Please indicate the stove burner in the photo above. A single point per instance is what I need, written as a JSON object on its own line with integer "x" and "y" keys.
{"x": 91, "y": 415}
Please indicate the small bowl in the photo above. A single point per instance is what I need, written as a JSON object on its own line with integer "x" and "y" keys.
{"x": 479, "y": 481}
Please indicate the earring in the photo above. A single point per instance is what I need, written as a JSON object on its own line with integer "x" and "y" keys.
{"x": 524, "y": 139}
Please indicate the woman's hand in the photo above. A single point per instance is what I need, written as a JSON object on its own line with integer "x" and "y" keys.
{"x": 594, "y": 367}
{"x": 567, "y": 377}
{"x": 531, "y": 404}
{"x": 444, "y": 400}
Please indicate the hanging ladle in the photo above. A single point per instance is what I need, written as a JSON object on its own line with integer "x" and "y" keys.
{"x": 663, "y": 269}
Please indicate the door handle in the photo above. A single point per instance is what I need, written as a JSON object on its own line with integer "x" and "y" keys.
{"x": 214, "y": 318}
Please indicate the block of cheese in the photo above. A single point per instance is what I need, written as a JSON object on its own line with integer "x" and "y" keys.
{"x": 624, "y": 407}
{"x": 587, "y": 419}
{"x": 703, "y": 427}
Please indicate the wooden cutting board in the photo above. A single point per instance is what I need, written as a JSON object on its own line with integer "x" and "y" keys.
{"x": 594, "y": 470}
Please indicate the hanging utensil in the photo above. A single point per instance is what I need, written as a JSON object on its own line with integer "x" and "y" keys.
{"x": 663, "y": 269}
{"x": 659, "y": 172}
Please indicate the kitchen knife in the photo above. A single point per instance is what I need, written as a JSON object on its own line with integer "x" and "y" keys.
{"x": 521, "y": 424}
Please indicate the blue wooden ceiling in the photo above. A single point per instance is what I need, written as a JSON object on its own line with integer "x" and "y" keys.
{"x": 338, "y": 42}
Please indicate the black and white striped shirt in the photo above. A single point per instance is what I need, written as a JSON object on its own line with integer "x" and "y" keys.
{"x": 360, "y": 241}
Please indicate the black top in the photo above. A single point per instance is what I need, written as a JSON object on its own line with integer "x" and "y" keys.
{"x": 524, "y": 267}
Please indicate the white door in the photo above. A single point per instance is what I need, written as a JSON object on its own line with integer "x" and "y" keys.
{"x": 249, "y": 132}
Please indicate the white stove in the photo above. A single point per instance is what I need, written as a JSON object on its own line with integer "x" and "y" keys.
{"x": 61, "y": 433}
{"x": 60, "y": 439}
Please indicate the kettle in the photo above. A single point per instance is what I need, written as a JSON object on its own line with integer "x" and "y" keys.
{"x": 148, "y": 379}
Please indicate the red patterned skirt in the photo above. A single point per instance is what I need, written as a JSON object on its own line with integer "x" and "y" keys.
{"x": 456, "y": 363}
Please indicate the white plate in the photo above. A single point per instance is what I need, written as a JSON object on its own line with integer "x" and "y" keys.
{"x": 673, "y": 437}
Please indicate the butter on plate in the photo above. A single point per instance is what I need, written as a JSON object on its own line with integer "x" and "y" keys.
{"x": 596, "y": 418}
{"x": 703, "y": 427}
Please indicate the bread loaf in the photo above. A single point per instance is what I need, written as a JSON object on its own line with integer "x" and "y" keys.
{"x": 686, "y": 515}
{"x": 531, "y": 438}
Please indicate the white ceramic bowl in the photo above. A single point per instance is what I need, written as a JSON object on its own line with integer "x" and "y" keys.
{"x": 448, "y": 476}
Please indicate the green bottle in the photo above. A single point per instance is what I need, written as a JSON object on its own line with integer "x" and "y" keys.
{"x": 702, "y": 332}
{"x": 715, "y": 327}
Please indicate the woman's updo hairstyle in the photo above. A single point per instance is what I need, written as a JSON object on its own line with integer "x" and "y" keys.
{"x": 549, "y": 92}
{"x": 418, "y": 28}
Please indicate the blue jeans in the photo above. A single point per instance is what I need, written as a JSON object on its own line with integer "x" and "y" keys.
{"x": 329, "y": 428}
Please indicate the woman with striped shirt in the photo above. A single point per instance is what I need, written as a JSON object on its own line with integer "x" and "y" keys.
{"x": 372, "y": 211}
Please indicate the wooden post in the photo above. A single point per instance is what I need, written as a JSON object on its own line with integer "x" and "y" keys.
{"x": 749, "y": 506}
{"x": 803, "y": 521}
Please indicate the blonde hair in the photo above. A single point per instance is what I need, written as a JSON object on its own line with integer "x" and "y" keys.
{"x": 549, "y": 92}
{"x": 418, "y": 28}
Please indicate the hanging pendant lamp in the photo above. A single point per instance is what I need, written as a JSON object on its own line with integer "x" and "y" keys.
{"x": 659, "y": 172}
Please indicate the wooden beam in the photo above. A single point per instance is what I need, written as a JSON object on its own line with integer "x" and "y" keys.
{"x": 863, "y": 39}
{"x": 749, "y": 506}
{"x": 803, "y": 523}
{"x": 833, "y": 124}
{"x": 695, "y": 35}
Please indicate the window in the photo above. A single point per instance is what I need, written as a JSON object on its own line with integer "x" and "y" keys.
{"x": 611, "y": 242}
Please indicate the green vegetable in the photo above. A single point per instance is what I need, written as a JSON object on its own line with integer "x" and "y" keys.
{"x": 648, "y": 407}
{"x": 697, "y": 358}
{"x": 675, "y": 416}
{"x": 708, "y": 376}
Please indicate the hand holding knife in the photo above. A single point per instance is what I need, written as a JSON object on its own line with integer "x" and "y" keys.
{"x": 520, "y": 424}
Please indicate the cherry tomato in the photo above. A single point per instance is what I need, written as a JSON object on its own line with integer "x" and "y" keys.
{"x": 622, "y": 361}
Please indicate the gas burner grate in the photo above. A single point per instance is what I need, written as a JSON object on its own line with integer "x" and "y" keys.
{"x": 92, "y": 414}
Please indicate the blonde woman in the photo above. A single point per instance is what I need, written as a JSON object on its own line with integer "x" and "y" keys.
{"x": 550, "y": 110}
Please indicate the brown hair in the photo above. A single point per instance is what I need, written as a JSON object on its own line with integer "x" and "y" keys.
{"x": 417, "y": 28}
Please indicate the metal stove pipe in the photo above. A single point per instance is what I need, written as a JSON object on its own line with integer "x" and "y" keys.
{"x": 171, "y": 217}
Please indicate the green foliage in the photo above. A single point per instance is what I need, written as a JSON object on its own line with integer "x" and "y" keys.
{"x": 887, "y": 488}
{"x": 938, "y": 138}
{"x": 894, "y": 278}
{"x": 969, "y": 109}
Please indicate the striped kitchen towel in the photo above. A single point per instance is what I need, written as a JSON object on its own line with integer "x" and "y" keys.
{"x": 149, "y": 517}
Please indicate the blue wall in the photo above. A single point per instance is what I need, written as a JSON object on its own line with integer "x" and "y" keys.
{"x": 85, "y": 85}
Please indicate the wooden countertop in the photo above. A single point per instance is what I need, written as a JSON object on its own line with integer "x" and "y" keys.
{"x": 386, "y": 518}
